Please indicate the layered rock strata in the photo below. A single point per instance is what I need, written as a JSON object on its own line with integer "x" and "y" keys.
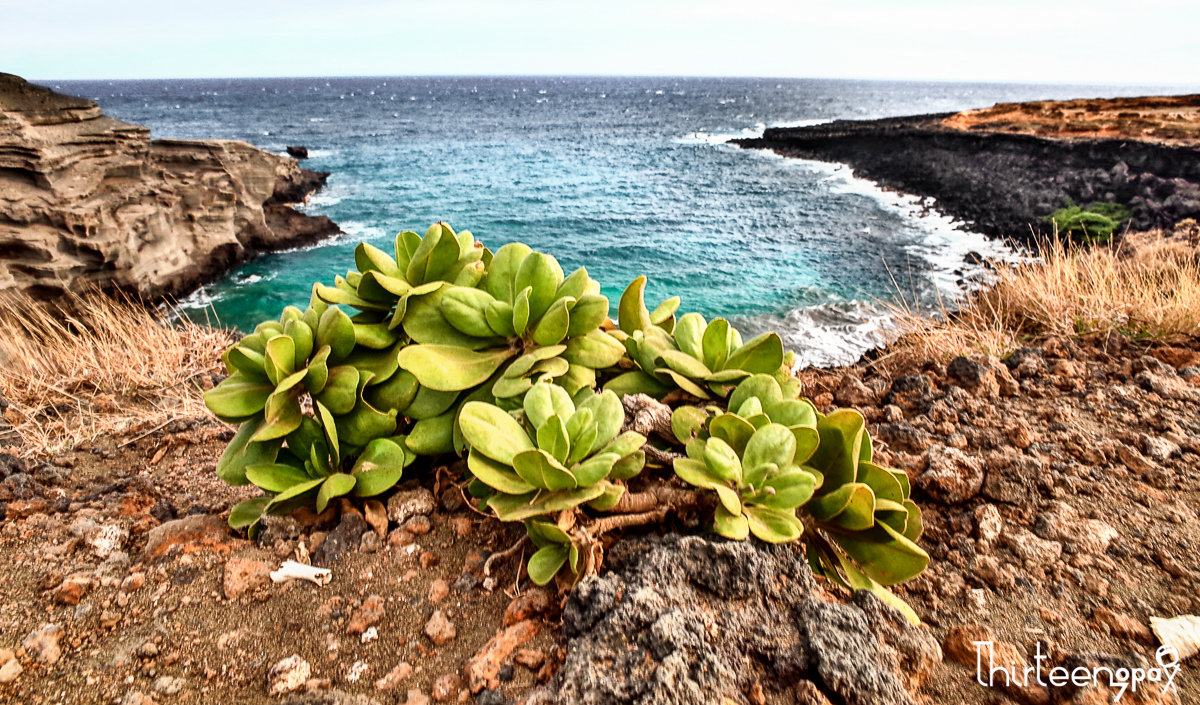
{"x": 89, "y": 201}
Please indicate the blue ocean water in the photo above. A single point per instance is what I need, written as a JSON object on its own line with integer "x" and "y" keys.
{"x": 625, "y": 176}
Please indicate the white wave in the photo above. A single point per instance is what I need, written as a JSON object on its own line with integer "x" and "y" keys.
{"x": 318, "y": 200}
{"x": 201, "y": 298}
{"x": 829, "y": 334}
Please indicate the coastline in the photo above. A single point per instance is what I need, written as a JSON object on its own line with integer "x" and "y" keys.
{"x": 999, "y": 183}
{"x": 91, "y": 202}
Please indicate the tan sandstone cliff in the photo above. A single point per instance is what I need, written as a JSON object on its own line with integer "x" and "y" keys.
{"x": 87, "y": 200}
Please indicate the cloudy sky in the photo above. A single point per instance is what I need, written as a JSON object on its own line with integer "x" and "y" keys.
{"x": 1093, "y": 41}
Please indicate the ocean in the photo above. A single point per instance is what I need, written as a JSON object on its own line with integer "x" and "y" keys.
{"x": 626, "y": 176}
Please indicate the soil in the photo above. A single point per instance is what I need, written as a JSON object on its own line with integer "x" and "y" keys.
{"x": 1087, "y": 452}
{"x": 1166, "y": 119}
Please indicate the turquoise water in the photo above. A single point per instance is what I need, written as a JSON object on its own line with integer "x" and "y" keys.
{"x": 626, "y": 176}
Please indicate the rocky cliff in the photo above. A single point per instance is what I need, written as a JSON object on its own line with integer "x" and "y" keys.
{"x": 1000, "y": 179}
{"x": 87, "y": 200}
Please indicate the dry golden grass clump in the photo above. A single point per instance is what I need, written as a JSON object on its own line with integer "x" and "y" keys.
{"x": 97, "y": 366}
{"x": 1146, "y": 288}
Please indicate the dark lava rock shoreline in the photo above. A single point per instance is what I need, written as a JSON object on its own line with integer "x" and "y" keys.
{"x": 1003, "y": 185}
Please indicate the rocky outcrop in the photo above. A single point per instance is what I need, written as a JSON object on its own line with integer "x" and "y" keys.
{"x": 87, "y": 200}
{"x": 1002, "y": 184}
{"x": 693, "y": 621}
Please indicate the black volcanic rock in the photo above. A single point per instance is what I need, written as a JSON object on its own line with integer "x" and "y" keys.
{"x": 1003, "y": 185}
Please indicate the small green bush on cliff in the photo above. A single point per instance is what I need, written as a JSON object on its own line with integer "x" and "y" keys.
{"x": 568, "y": 422}
{"x": 1093, "y": 224}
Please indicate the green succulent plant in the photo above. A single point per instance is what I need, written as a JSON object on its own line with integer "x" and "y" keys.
{"x": 523, "y": 323}
{"x": 558, "y": 456}
{"x": 781, "y": 454}
{"x": 704, "y": 359}
{"x": 343, "y": 446}
{"x": 548, "y": 457}
{"x": 444, "y": 348}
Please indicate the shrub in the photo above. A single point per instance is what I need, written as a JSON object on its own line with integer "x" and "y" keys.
{"x": 1095, "y": 223}
{"x": 452, "y": 350}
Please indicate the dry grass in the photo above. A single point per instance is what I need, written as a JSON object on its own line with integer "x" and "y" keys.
{"x": 107, "y": 367}
{"x": 1146, "y": 289}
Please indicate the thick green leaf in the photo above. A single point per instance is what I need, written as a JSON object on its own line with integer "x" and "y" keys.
{"x": 341, "y": 390}
{"x": 429, "y": 403}
{"x": 664, "y": 311}
{"x": 546, "y": 400}
{"x": 732, "y": 429}
{"x": 716, "y": 341}
{"x": 722, "y": 461}
{"x": 882, "y": 483}
{"x": 505, "y": 388}
{"x": 493, "y": 432}
{"x": 731, "y": 526}
{"x": 524, "y": 364}
{"x": 552, "y": 437}
{"x": 838, "y": 453}
{"x": 247, "y": 512}
{"x": 521, "y": 317}
{"x": 628, "y": 466}
{"x": 449, "y": 368}
{"x": 587, "y": 314}
{"x": 788, "y": 490}
{"x": 424, "y": 323}
{"x": 807, "y": 441}
{"x": 237, "y": 397}
{"x": 626, "y": 443}
{"x": 597, "y": 350}
{"x": 369, "y": 258}
{"x": 433, "y": 436}
{"x": 612, "y": 495}
{"x": 540, "y": 469}
{"x": 396, "y": 393}
{"x": 631, "y": 311}
{"x": 544, "y": 533}
{"x": 364, "y": 424}
{"x": 542, "y": 274}
{"x": 329, "y": 426}
{"x": 760, "y": 355}
{"x": 687, "y": 422}
{"x": 499, "y": 317}
{"x": 379, "y": 467}
{"x": 294, "y": 492}
{"x": 316, "y": 375}
{"x": 465, "y": 309}
{"x": 334, "y": 486}
{"x": 503, "y": 271}
{"x": 242, "y": 452}
{"x": 861, "y": 581}
{"x": 336, "y": 330}
{"x": 773, "y": 525}
{"x": 497, "y": 475}
{"x": 770, "y": 444}
{"x": 276, "y": 477}
{"x": 882, "y": 553}
{"x": 689, "y": 334}
{"x": 376, "y": 336}
{"x": 638, "y": 382}
{"x": 761, "y": 387}
{"x": 609, "y": 416}
{"x": 855, "y": 501}
{"x": 251, "y": 364}
{"x": 521, "y": 507}
{"x": 792, "y": 412}
{"x": 552, "y": 327}
{"x": 683, "y": 383}
{"x": 595, "y": 468}
{"x": 684, "y": 364}
{"x": 545, "y": 563}
{"x": 302, "y": 338}
{"x": 282, "y": 415}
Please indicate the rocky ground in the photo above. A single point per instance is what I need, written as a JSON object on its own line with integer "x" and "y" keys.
{"x": 1059, "y": 488}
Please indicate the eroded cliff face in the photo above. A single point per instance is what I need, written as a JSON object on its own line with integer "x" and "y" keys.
{"x": 1002, "y": 183}
{"x": 87, "y": 200}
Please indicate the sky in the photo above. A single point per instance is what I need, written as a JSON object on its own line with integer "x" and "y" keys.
{"x": 1067, "y": 41}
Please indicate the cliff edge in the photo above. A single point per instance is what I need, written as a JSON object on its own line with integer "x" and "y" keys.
{"x": 87, "y": 200}
{"x": 1002, "y": 170}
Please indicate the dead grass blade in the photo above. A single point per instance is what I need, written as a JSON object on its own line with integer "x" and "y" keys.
{"x": 97, "y": 366}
